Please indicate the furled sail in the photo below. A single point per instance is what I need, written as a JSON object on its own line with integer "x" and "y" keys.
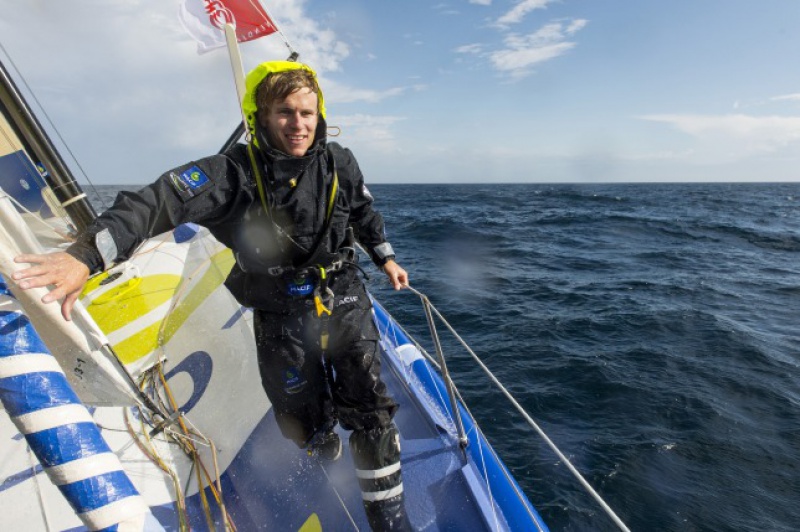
{"x": 82, "y": 349}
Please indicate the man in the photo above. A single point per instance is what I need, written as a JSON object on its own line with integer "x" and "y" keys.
{"x": 290, "y": 206}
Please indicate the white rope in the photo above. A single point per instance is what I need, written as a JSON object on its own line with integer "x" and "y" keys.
{"x": 530, "y": 420}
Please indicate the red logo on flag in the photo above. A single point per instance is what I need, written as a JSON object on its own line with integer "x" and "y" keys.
{"x": 249, "y": 18}
{"x": 218, "y": 14}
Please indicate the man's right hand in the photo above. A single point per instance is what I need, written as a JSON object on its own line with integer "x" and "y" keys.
{"x": 65, "y": 272}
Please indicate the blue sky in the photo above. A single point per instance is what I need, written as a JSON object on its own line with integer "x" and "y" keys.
{"x": 484, "y": 91}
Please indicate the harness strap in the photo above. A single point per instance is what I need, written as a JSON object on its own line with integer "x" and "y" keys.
{"x": 323, "y": 302}
{"x": 259, "y": 183}
{"x": 331, "y": 203}
{"x": 323, "y": 295}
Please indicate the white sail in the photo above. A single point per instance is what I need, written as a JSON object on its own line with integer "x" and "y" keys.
{"x": 79, "y": 346}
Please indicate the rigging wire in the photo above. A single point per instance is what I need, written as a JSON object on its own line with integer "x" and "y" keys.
{"x": 52, "y": 125}
{"x": 338, "y": 496}
{"x": 35, "y": 216}
{"x": 610, "y": 512}
{"x": 293, "y": 55}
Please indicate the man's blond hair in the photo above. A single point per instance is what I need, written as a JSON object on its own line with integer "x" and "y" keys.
{"x": 279, "y": 85}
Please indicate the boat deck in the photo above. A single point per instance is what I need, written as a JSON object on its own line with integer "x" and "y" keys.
{"x": 273, "y": 485}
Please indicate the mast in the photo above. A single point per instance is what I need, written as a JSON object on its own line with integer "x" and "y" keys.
{"x": 39, "y": 146}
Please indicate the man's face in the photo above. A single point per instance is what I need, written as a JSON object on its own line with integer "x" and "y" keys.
{"x": 292, "y": 122}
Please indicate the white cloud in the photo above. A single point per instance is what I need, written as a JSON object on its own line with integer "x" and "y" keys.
{"x": 525, "y": 51}
{"x": 319, "y": 47}
{"x": 576, "y": 25}
{"x": 340, "y": 93}
{"x": 787, "y": 97}
{"x": 368, "y": 131}
{"x": 481, "y": 2}
{"x": 737, "y": 135}
{"x": 476, "y": 48}
{"x": 517, "y": 59}
{"x": 364, "y": 121}
{"x": 518, "y": 12}
{"x": 445, "y": 9}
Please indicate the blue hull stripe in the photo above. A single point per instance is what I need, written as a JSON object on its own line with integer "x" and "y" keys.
{"x": 35, "y": 391}
{"x": 98, "y": 491}
{"x": 58, "y": 428}
{"x": 66, "y": 443}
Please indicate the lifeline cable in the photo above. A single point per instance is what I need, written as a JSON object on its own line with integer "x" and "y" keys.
{"x": 433, "y": 363}
{"x": 529, "y": 419}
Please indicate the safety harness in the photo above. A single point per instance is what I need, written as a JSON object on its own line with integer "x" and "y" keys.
{"x": 322, "y": 294}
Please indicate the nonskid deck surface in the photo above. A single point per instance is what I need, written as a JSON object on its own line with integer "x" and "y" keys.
{"x": 273, "y": 485}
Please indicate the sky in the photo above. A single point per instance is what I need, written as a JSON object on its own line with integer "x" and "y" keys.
{"x": 461, "y": 91}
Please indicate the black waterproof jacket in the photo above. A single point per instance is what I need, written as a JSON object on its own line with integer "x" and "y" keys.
{"x": 220, "y": 193}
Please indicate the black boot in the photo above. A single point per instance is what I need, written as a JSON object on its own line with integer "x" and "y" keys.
{"x": 326, "y": 446}
{"x": 376, "y": 454}
{"x": 388, "y": 515}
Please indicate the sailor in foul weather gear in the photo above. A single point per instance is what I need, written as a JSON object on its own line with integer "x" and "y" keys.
{"x": 290, "y": 205}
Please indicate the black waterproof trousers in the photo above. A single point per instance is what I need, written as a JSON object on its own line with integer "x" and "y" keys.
{"x": 293, "y": 374}
{"x": 308, "y": 398}
{"x": 311, "y": 389}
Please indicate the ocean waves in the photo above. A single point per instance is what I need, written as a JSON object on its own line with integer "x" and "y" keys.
{"x": 650, "y": 329}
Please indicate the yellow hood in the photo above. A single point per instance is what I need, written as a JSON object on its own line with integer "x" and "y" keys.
{"x": 256, "y": 76}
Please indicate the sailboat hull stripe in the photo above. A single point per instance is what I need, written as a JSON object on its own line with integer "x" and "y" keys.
{"x": 84, "y": 468}
{"x": 15, "y": 365}
{"x": 50, "y": 418}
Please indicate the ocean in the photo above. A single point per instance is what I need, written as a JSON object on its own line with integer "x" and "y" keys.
{"x": 651, "y": 330}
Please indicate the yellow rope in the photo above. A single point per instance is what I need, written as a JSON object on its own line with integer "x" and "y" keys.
{"x": 184, "y": 439}
{"x": 194, "y": 454}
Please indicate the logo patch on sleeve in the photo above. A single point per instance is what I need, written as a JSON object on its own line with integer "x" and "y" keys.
{"x": 189, "y": 182}
{"x": 194, "y": 177}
